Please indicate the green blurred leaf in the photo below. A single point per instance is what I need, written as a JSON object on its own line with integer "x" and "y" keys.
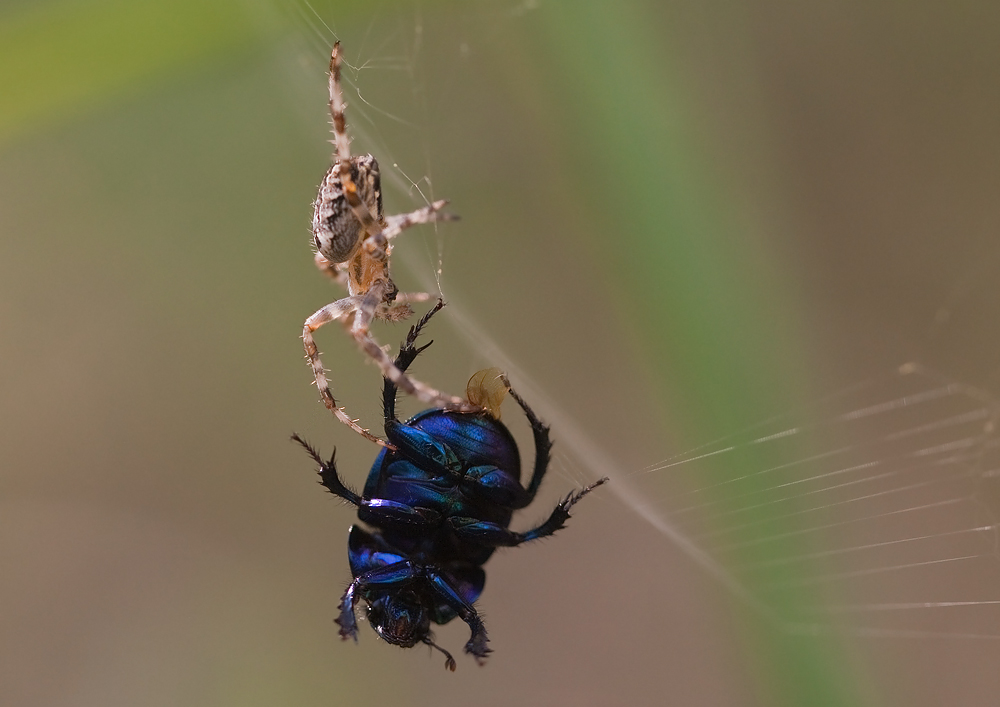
{"x": 58, "y": 57}
{"x": 724, "y": 330}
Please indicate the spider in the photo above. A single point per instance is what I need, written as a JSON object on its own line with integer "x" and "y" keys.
{"x": 353, "y": 241}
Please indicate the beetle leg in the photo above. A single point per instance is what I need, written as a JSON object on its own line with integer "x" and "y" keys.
{"x": 328, "y": 474}
{"x": 347, "y": 622}
{"x": 408, "y": 352}
{"x": 543, "y": 446}
{"x": 383, "y": 513}
{"x": 494, "y": 535}
{"x": 477, "y": 643}
{"x": 422, "y": 448}
{"x": 396, "y": 574}
{"x": 496, "y": 486}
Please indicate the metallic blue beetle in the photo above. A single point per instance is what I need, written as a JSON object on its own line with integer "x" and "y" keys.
{"x": 440, "y": 503}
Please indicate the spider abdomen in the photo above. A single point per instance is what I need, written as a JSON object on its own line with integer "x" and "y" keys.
{"x": 337, "y": 231}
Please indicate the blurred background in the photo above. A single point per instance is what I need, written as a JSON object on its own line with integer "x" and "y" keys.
{"x": 678, "y": 219}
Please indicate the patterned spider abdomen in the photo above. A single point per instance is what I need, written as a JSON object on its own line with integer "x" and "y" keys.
{"x": 337, "y": 231}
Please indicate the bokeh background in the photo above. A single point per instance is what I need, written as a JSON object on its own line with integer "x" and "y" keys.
{"x": 678, "y": 218}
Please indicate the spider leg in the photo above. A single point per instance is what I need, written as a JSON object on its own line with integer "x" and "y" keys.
{"x": 379, "y": 234}
{"x": 423, "y": 392}
{"x": 341, "y": 309}
{"x": 400, "y": 309}
{"x": 343, "y": 145}
{"x": 377, "y": 242}
{"x": 411, "y": 297}
{"x": 334, "y": 271}
{"x": 400, "y": 222}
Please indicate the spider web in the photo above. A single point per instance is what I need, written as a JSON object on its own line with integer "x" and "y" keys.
{"x": 883, "y": 497}
{"x": 878, "y": 503}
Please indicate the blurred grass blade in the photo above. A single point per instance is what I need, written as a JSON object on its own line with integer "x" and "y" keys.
{"x": 56, "y": 58}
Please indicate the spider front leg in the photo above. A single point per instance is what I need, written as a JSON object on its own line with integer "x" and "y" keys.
{"x": 423, "y": 392}
{"x": 400, "y": 309}
{"x": 379, "y": 230}
{"x": 341, "y": 309}
{"x": 356, "y": 314}
{"x": 334, "y": 271}
{"x": 343, "y": 145}
{"x": 376, "y": 244}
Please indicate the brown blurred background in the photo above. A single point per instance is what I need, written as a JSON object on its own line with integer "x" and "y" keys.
{"x": 678, "y": 218}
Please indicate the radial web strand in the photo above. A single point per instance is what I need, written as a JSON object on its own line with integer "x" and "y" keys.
{"x": 877, "y": 507}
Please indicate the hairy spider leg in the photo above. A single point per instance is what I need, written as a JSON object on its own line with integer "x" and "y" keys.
{"x": 341, "y": 309}
{"x": 356, "y": 313}
{"x": 421, "y": 391}
{"x": 378, "y": 234}
{"x": 343, "y": 145}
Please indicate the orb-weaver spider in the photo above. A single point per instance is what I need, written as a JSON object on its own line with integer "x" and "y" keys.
{"x": 353, "y": 241}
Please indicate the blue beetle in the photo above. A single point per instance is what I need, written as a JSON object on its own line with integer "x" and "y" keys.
{"x": 440, "y": 502}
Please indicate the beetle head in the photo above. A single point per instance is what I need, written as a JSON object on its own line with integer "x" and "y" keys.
{"x": 401, "y": 619}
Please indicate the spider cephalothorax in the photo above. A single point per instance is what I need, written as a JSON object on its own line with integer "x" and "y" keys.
{"x": 353, "y": 241}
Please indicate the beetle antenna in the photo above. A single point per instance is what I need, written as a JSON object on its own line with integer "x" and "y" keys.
{"x": 449, "y": 662}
